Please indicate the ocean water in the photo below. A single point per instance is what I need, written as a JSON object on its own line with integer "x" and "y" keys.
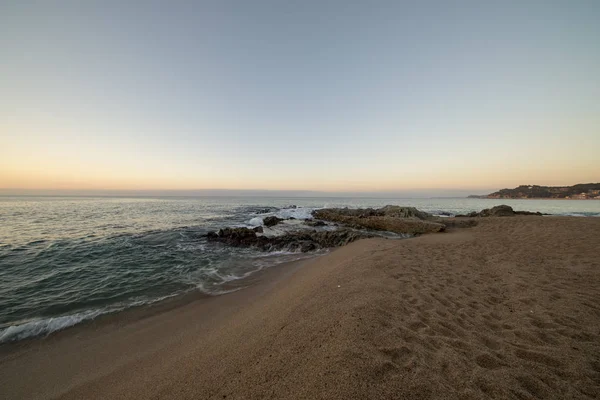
{"x": 70, "y": 259}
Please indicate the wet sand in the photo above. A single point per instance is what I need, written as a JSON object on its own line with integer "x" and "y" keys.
{"x": 507, "y": 309}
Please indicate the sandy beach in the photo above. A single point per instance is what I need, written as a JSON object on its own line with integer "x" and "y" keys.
{"x": 508, "y": 309}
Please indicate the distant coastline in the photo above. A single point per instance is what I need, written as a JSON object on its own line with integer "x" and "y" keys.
{"x": 581, "y": 191}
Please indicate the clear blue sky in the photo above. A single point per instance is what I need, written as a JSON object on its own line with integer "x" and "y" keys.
{"x": 317, "y": 95}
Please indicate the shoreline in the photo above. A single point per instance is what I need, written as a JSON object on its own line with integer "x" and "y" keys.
{"x": 158, "y": 305}
{"x": 260, "y": 277}
{"x": 505, "y": 309}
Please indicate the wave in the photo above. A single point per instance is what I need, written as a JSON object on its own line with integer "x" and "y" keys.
{"x": 580, "y": 214}
{"x": 283, "y": 213}
{"x": 209, "y": 282}
{"x": 297, "y": 213}
{"x": 46, "y": 326}
{"x": 256, "y": 221}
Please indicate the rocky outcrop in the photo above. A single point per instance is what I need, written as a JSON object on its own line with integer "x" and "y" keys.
{"x": 314, "y": 223}
{"x": 387, "y": 211}
{"x": 352, "y": 222}
{"x": 264, "y": 210}
{"x": 499, "y": 211}
{"x": 389, "y": 218}
{"x": 405, "y": 212}
{"x": 271, "y": 221}
{"x": 297, "y": 241}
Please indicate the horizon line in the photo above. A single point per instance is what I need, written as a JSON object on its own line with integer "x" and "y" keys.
{"x": 414, "y": 193}
{"x": 260, "y": 190}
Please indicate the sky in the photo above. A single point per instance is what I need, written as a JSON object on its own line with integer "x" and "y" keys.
{"x": 334, "y": 96}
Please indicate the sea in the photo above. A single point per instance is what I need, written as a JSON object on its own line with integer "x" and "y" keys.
{"x": 65, "y": 260}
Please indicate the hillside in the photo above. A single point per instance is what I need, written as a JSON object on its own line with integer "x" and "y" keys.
{"x": 582, "y": 191}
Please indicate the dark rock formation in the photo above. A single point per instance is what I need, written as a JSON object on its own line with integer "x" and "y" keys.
{"x": 469, "y": 215}
{"x": 389, "y": 218}
{"x": 404, "y": 220}
{"x": 314, "y": 223}
{"x": 499, "y": 211}
{"x": 387, "y": 211}
{"x": 298, "y": 241}
{"x": 271, "y": 221}
{"x": 264, "y": 211}
{"x": 405, "y": 212}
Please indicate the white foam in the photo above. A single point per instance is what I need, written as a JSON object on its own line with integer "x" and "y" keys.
{"x": 285, "y": 227}
{"x": 298, "y": 213}
{"x": 580, "y": 214}
{"x": 256, "y": 221}
{"x": 45, "y": 326}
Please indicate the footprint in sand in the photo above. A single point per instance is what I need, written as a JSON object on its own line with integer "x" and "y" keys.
{"x": 539, "y": 358}
{"x": 398, "y": 355}
{"x": 487, "y": 361}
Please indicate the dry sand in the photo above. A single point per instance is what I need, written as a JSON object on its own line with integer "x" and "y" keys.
{"x": 508, "y": 309}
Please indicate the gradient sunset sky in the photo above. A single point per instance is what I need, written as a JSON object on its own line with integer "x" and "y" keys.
{"x": 315, "y": 95}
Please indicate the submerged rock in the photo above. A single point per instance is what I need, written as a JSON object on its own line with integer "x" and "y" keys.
{"x": 499, "y": 211}
{"x": 297, "y": 241}
{"x": 271, "y": 221}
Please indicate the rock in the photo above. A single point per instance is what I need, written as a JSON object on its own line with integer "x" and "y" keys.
{"x": 314, "y": 223}
{"x": 387, "y": 211}
{"x": 389, "y": 218}
{"x": 499, "y": 211}
{"x": 469, "y": 215}
{"x": 258, "y": 229}
{"x": 405, "y": 212}
{"x": 237, "y": 235}
{"x": 271, "y": 221}
{"x": 297, "y": 241}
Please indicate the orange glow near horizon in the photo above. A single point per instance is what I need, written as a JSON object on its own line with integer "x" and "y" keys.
{"x": 63, "y": 159}
{"x": 156, "y": 178}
